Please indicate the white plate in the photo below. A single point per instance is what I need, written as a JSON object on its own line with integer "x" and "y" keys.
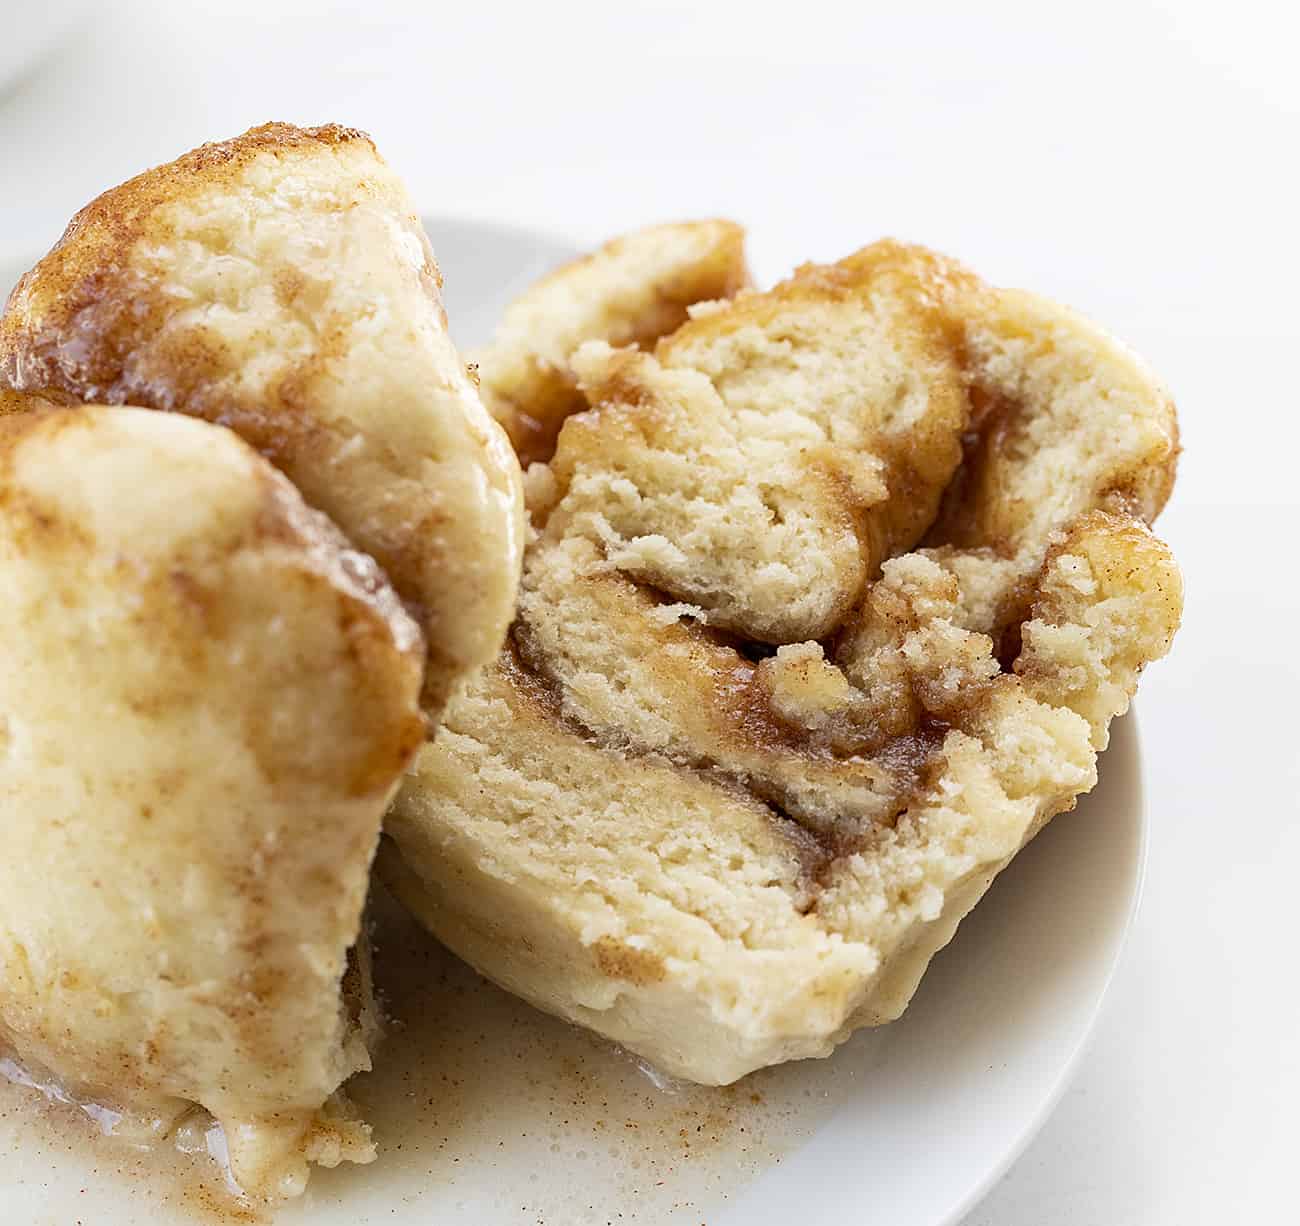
{"x": 503, "y": 1116}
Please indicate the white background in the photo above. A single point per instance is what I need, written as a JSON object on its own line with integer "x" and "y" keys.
{"x": 1136, "y": 160}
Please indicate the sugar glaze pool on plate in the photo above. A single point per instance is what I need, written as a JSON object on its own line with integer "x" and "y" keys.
{"x": 904, "y": 1126}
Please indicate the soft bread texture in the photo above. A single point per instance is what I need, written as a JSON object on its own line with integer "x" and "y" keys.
{"x": 280, "y": 284}
{"x": 632, "y": 291}
{"x": 207, "y": 702}
{"x": 751, "y": 753}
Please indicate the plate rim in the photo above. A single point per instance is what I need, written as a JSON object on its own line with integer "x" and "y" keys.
{"x": 1070, "y": 1067}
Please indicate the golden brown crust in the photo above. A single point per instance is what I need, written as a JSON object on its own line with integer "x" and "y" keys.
{"x": 85, "y": 285}
{"x": 280, "y": 285}
{"x": 929, "y": 282}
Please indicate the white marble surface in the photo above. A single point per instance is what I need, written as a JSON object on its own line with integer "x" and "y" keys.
{"x": 1135, "y": 160}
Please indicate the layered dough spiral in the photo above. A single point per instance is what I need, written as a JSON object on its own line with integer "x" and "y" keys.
{"x": 833, "y": 592}
{"x": 632, "y": 291}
